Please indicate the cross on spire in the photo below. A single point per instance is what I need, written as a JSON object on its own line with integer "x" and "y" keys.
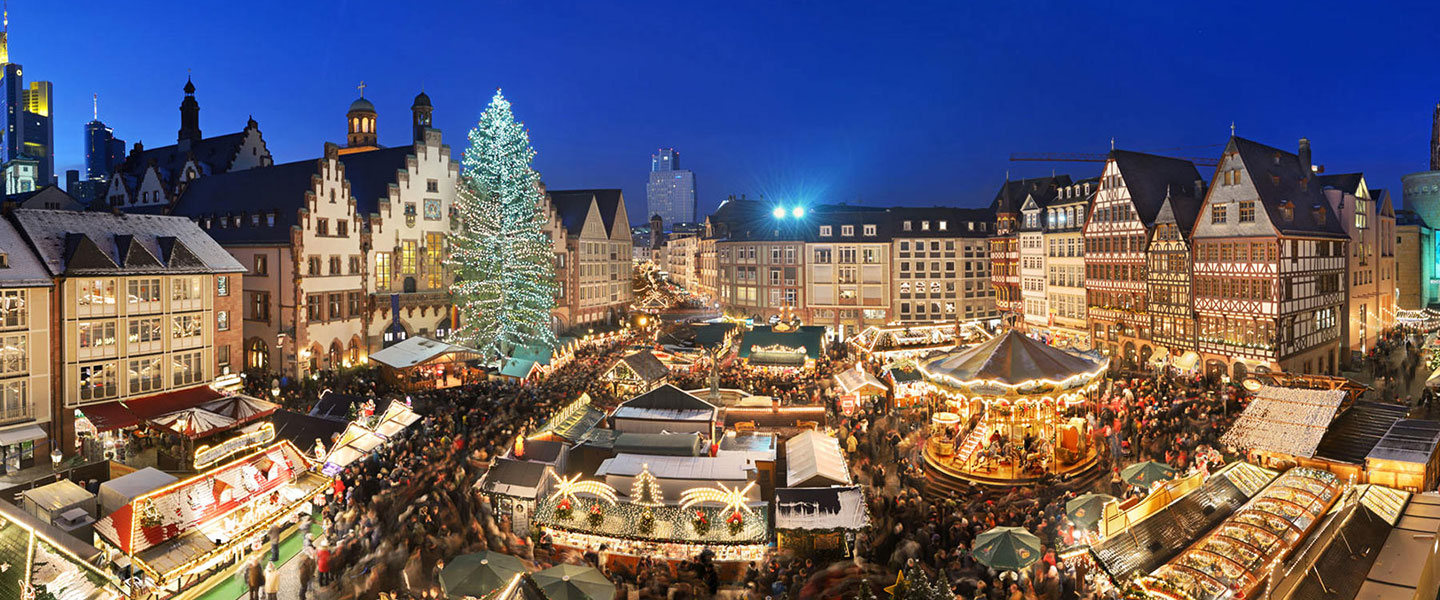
{"x": 361, "y": 87}
{"x": 1232, "y": 129}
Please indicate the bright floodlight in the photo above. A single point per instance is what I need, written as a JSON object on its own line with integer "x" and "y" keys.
{"x": 798, "y": 212}
{"x": 779, "y": 212}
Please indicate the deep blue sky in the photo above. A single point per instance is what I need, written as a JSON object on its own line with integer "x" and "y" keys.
{"x": 872, "y": 102}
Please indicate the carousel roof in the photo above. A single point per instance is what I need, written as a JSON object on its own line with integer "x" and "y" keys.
{"x": 1012, "y": 359}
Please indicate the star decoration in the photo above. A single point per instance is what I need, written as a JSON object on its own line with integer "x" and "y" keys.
{"x": 899, "y": 584}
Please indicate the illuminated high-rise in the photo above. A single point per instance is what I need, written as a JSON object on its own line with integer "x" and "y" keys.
{"x": 27, "y": 112}
{"x": 671, "y": 190}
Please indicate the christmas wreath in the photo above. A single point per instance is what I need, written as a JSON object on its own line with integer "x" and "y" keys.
{"x": 564, "y": 510}
{"x": 647, "y": 521}
{"x": 596, "y": 517}
{"x": 736, "y": 522}
{"x": 701, "y": 523}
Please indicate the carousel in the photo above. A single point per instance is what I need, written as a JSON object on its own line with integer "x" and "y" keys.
{"x": 1005, "y": 420}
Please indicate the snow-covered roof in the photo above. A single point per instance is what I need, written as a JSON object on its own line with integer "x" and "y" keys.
{"x": 415, "y": 350}
{"x": 840, "y": 507}
{"x": 814, "y": 459}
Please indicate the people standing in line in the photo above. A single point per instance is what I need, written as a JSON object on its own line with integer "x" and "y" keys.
{"x": 322, "y": 562}
{"x": 254, "y": 578}
{"x": 272, "y": 582}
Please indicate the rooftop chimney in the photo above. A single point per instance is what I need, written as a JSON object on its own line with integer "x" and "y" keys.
{"x": 1305, "y": 156}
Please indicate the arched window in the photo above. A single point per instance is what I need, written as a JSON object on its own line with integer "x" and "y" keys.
{"x": 257, "y": 355}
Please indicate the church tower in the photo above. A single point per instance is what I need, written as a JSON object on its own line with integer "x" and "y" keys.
{"x": 189, "y": 115}
{"x": 420, "y": 115}
{"x": 361, "y": 120}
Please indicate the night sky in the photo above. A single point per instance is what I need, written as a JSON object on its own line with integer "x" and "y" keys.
{"x": 876, "y": 103}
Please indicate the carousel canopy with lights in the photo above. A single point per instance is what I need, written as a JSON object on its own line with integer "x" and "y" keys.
{"x": 1009, "y": 364}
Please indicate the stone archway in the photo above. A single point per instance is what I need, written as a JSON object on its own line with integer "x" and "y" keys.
{"x": 337, "y": 352}
{"x": 1130, "y": 352}
{"x": 1238, "y": 371}
{"x": 1214, "y": 368}
{"x": 1145, "y": 352}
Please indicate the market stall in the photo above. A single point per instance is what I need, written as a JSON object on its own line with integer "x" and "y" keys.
{"x": 40, "y": 561}
{"x": 1237, "y": 557}
{"x": 909, "y": 387}
{"x": 813, "y": 459}
{"x": 179, "y": 534}
{"x": 820, "y": 521}
{"x": 782, "y": 347}
{"x": 893, "y": 343}
{"x": 419, "y": 362}
{"x": 635, "y": 373}
{"x": 1010, "y": 394}
{"x": 858, "y": 389}
{"x": 1281, "y": 424}
{"x": 666, "y": 408}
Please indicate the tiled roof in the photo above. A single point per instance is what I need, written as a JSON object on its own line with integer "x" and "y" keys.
{"x": 25, "y": 267}
{"x": 1345, "y": 182}
{"x": 1279, "y": 178}
{"x": 573, "y": 206}
{"x": 371, "y": 173}
{"x": 215, "y": 153}
{"x": 1151, "y": 178}
{"x": 279, "y": 189}
{"x": 1409, "y": 217}
{"x": 1012, "y": 193}
{"x": 69, "y": 241}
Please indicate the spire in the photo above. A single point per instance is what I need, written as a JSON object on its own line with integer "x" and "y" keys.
{"x": 189, "y": 115}
{"x": 5, "y": 37}
{"x": 95, "y": 98}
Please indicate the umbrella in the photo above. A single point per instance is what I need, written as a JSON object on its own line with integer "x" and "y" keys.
{"x": 1085, "y": 510}
{"x": 478, "y": 574}
{"x": 573, "y": 582}
{"x": 1145, "y": 473}
{"x": 1006, "y": 548}
{"x": 194, "y": 422}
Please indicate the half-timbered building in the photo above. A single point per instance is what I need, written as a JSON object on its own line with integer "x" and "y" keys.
{"x": 1133, "y": 187}
{"x": 1168, "y": 279}
{"x": 1269, "y": 266}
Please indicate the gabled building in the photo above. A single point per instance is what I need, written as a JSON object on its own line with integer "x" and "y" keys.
{"x": 1369, "y": 220}
{"x": 1133, "y": 187}
{"x": 346, "y": 252}
{"x": 1005, "y": 244}
{"x": 142, "y": 311}
{"x": 156, "y": 177}
{"x": 1169, "y": 280}
{"x": 591, "y": 234}
{"x": 1064, "y": 239}
{"x": 1270, "y": 264}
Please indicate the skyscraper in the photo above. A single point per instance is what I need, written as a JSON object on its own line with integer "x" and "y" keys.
{"x": 671, "y": 191}
{"x": 28, "y": 140}
{"x": 104, "y": 153}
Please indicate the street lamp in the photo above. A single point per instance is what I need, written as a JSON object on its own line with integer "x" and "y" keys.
{"x": 55, "y": 458}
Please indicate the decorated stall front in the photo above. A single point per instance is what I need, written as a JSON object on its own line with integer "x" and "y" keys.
{"x": 591, "y": 516}
{"x": 909, "y": 387}
{"x": 820, "y": 521}
{"x": 1006, "y": 420}
{"x": 635, "y": 373}
{"x": 1282, "y": 426}
{"x": 858, "y": 389}
{"x": 179, "y": 534}
{"x": 894, "y": 343}
{"x": 40, "y": 561}
{"x": 782, "y": 347}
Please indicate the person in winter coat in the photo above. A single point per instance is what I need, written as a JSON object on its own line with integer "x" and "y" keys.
{"x": 272, "y": 582}
{"x": 275, "y": 543}
{"x": 254, "y": 578}
{"x": 322, "y": 562}
{"x": 307, "y": 573}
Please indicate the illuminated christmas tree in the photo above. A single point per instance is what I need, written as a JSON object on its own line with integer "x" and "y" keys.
{"x": 502, "y": 256}
{"x": 645, "y": 491}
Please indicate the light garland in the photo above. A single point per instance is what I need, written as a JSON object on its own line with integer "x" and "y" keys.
{"x": 568, "y": 488}
{"x": 733, "y": 499}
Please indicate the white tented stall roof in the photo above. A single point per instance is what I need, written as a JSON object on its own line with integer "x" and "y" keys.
{"x": 413, "y": 351}
{"x": 813, "y": 459}
{"x": 854, "y": 380}
{"x": 1284, "y": 420}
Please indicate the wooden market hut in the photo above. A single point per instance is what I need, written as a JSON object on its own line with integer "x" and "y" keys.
{"x": 783, "y": 348}
{"x": 635, "y": 373}
{"x": 820, "y": 521}
{"x": 665, "y": 408}
{"x": 419, "y": 362}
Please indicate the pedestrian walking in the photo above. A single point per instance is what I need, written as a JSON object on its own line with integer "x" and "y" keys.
{"x": 322, "y": 562}
{"x": 272, "y": 582}
{"x": 307, "y": 573}
{"x": 254, "y": 577}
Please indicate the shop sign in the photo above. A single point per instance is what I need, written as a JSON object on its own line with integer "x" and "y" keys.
{"x": 209, "y": 455}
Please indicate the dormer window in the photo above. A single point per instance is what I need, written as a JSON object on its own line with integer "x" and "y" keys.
{"x": 924, "y": 226}
{"x": 944, "y": 225}
{"x": 1287, "y": 212}
{"x": 825, "y": 231}
{"x": 847, "y": 230}
{"x": 4, "y": 260}
{"x": 905, "y": 226}
{"x": 255, "y": 220}
{"x": 869, "y": 230}
{"x": 1319, "y": 214}
{"x": 270, "y": 220}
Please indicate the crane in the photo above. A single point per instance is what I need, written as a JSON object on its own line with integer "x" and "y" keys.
{"x": 1092, "y": 157}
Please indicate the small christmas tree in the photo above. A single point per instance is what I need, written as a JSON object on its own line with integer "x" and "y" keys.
{"x": 917, "y": 583}
{"x": 865, "y": 592}
{"x": 646, "y": 489}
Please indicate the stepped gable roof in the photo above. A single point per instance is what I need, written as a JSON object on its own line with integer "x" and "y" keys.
{"x": 1012, "y": 359}
{"x": 1151, "y": 178}
{"x": 572, "y": 206}
{"x": 69, "y": 242}
{"x": 1345, "y": 182}
{"x": 1012, "y": 193}
{"x": 279, "y": 189}
{"x": 215, "y": 154}
{"x": 1279, "y": 178}
{"x": 371, "y": 174}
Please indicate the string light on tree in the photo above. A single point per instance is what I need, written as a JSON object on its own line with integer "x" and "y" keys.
{"x": 502, "y": 257}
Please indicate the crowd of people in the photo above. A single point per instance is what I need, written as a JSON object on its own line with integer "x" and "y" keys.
{"x": 393, "y": 518}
